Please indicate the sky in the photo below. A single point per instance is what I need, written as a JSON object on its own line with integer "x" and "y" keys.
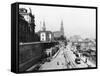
{"x": 76, "y": 21}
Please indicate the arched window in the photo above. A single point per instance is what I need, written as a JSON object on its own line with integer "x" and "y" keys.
{"x": 50, "y": 37}
{"x": 43, "y": 37}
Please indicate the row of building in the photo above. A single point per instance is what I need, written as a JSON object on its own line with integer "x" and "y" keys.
{"x": 85, "y": 44}
{"x": 44, "y": 34}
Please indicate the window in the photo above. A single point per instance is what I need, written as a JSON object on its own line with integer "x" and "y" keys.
{"x": 50, "y": 36}
{"x": 43, "y": 37}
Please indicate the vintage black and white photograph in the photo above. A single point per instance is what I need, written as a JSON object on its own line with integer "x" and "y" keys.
{"x": 55, "y": 38}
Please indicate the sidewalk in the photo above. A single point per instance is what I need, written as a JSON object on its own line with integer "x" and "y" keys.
{"x": 58, "y": 62}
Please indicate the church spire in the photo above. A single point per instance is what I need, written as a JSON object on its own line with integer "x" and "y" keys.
{"x": 62, "y": 28}
{"x": 44, "y": 27}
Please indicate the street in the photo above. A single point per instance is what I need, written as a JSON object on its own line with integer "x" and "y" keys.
{"x": 64, "y": 59}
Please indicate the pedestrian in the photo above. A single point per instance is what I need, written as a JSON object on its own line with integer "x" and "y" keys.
{"x": 86, "y": 60}
{"x": 57, "y": 63}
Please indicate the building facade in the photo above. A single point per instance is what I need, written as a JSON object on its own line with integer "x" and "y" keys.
{"x": 45, "y": 35}
{"x": 59, "y": 35}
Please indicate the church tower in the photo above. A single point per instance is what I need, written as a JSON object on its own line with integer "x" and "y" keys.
{"x": 62, "y": 28}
